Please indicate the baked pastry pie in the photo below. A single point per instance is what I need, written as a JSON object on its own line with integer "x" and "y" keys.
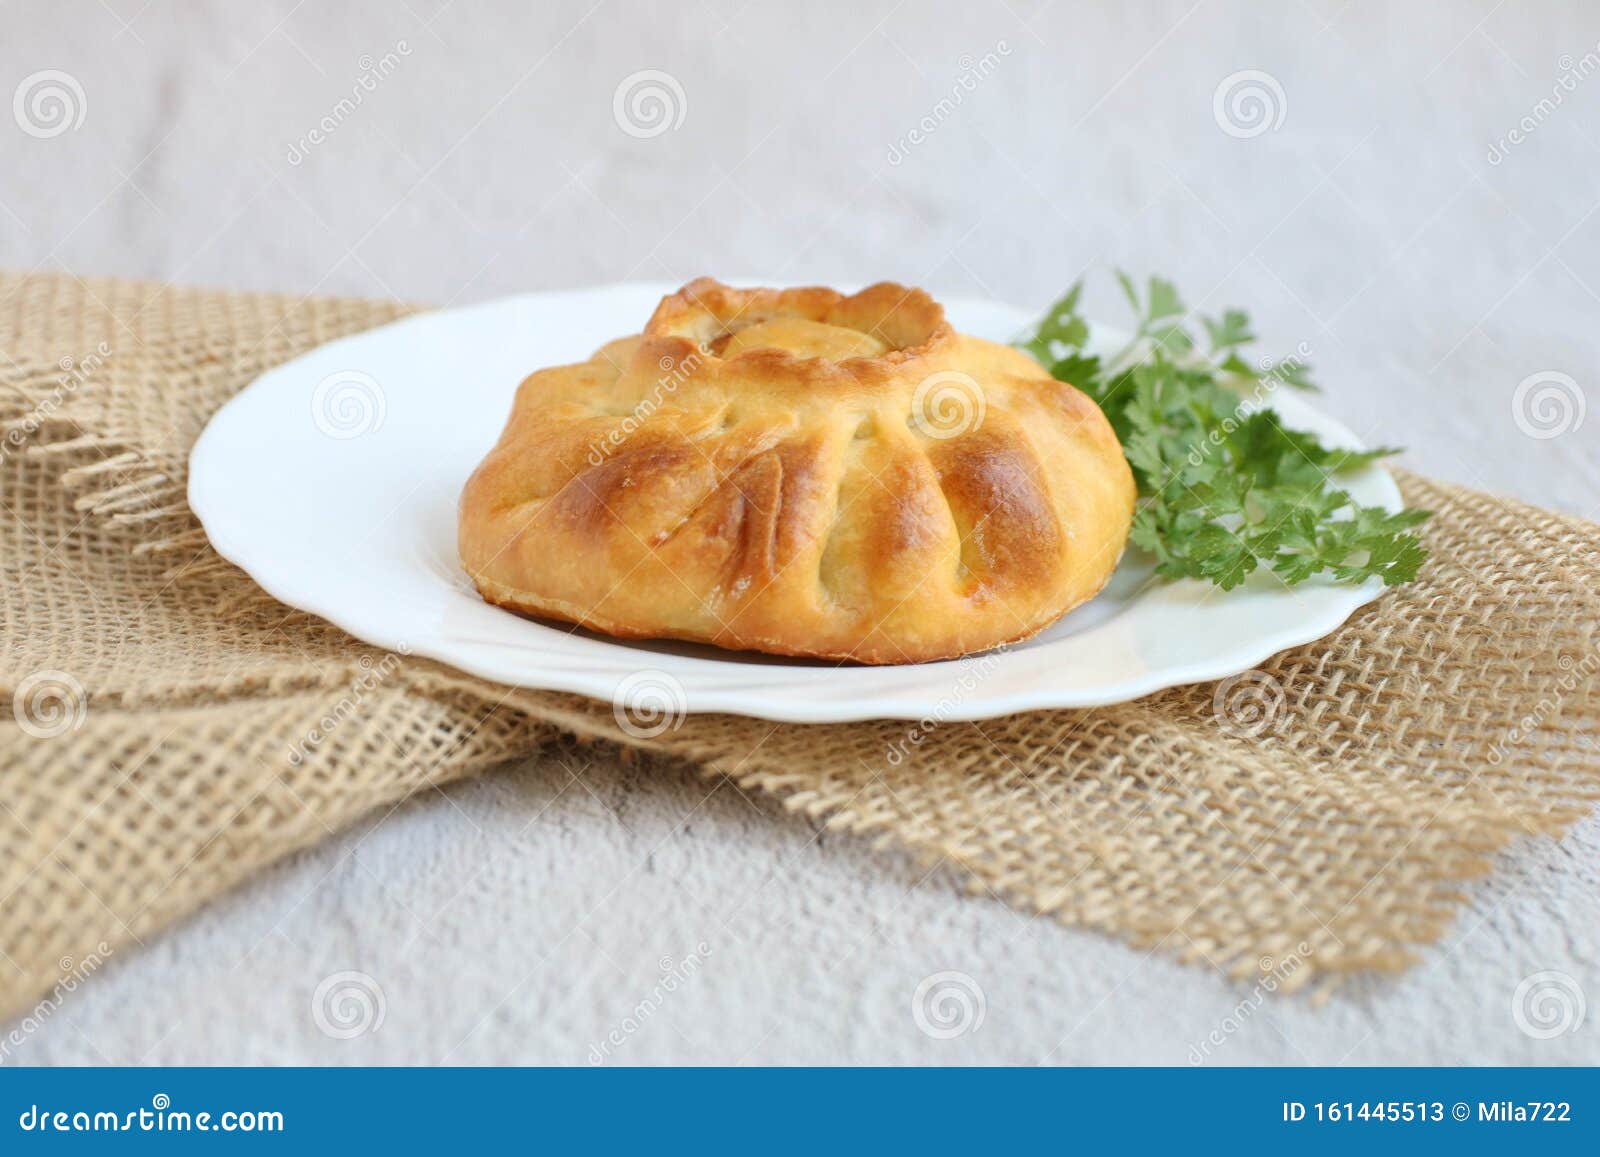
{"x": 803, "y": 473}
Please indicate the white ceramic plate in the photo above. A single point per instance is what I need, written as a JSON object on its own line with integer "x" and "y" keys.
{"x": 333, "y": 481}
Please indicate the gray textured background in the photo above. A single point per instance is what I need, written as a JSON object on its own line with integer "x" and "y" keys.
{"x": 522, "y": 917}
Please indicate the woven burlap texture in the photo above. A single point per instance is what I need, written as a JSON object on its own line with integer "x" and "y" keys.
{"x": 158, "y": 698}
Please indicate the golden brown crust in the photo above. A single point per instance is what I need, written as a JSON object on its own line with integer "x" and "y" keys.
{"x": 804, "y": 473}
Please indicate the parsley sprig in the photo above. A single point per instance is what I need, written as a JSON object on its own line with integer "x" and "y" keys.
{"x": 1224, "y": 486}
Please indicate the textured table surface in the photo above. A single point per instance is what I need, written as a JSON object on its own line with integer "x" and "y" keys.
{"x": 1383, "y": 212}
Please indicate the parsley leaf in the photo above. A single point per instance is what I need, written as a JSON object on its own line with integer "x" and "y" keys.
{"x": 1060, "y": 330}
{"x": 1225, "y": 487}
{"x": 1229, "y": 331}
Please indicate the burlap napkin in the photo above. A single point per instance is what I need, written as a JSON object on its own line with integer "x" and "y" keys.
{"x": 1323, "y": 810}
